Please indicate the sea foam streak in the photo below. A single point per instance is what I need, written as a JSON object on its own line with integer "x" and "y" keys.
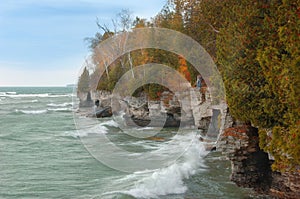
{"x": 168, "y": 180}
{"x": 34, "y": 112}
{"x": 24, "y": 95}
{"x": 97, "y": 129}
{"x": 14, "y": 95}
{"x": 110, "y": 123}
{"x": 60, "y": 105}
{"x": 60, "y": 109}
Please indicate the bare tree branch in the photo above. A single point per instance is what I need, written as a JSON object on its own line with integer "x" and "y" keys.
{"x": 215, "y": 30}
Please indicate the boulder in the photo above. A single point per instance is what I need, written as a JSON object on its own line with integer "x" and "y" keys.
{"x": 104, "y": 112}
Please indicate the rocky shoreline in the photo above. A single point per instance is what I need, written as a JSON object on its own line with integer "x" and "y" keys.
{"x": 251, "y": 167}
{"x": 140, "y": 110}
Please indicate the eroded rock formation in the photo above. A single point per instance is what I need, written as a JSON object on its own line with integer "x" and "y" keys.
{"x": 251, "y": 167}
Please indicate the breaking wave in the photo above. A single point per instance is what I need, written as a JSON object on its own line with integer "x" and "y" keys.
{"x": 168, "y": 180}
{"x": 15, "y": 95}
{"x": 43, "y": 111}
{"x": 60, "y": 109}
{"x": 97, "y": 129}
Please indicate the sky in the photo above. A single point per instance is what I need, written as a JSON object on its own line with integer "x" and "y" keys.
{"x": 42, "y": 41}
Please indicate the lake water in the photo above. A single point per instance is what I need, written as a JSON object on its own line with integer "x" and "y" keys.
{"x": 42, "y": 155}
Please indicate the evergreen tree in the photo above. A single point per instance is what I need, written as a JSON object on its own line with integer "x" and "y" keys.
{"x": 83, "y": 82}
{"x": 258, "y": 55}
{"x": 279, "y": 57}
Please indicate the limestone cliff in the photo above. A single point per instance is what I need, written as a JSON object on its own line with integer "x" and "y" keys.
{"x": 185, "y": 108}
{"x": 251, "y": 167}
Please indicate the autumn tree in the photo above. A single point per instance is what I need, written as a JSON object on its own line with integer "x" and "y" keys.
{"x": 183, "y": 68}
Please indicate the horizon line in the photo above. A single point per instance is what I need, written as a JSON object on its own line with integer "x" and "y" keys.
{"x": 66, "y": 85}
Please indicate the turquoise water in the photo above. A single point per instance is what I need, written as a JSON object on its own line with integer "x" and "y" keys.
{"x": 42, "y": 156}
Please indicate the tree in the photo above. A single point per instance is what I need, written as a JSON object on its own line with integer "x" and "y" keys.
{"x": 279, "y": 57}
{"x": 83, "y": 82}
{"x": 258, "y": 55}
{"x": 183, "y": 68}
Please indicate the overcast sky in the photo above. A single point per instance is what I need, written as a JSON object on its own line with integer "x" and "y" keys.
{"x": 42, "y": 41}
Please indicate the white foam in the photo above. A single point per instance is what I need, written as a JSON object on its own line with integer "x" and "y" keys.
{"x": 33, "y": 101}
{"x": 110, "y": 123}
{"x": 97, "y": 129}
{"x": 147, "y": 144}
{"x": 60, "y": 105}
{"x": 55, "y": 96}
{"x": 60, "y": 109}
{"x": 24, "y": 95}
{"x": 145, "y": 128}
{"x": 12, "y": 95}
{"x": 31, "y": 111}
{"x": 168, "y": 180}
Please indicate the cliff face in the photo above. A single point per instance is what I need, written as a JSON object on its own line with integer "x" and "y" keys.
{"x": 251, "y": 166}
{"x": 175, "y": 108}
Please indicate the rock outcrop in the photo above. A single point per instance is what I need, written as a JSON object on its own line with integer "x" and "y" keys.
{"x": 285, "y": 185}
{"x": 174, "y": 108}
{"x": 190, "y": 108}
{"x": 143, "y": 112}
{"x": 251, "y": 167}
{"x": 103, "y": 112}
{"x": 85, "y": 99}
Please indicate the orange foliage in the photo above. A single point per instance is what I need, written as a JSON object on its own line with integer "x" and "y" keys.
{"x": 239, "y": 132}
{"x": 183, "y": 68}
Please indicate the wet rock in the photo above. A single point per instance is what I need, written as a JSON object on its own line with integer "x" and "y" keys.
{"x": 104, "y": 112}
{"x": 155, "y": 122}
{"x": 251, "y": 167}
